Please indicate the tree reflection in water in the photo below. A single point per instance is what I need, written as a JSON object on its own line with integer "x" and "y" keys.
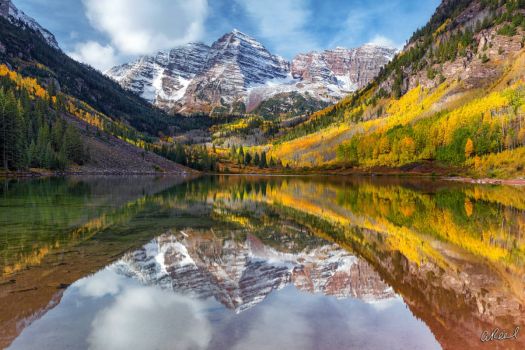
{"x": 453, "y": 252}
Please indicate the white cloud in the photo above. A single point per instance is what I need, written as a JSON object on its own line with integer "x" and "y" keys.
{"x": 150, "y": 318}
{"x": 95, "y": 54}
{"x": 381, "y": 40}
{"x": 142, "y": 27}
{"x": 283, "y": 23}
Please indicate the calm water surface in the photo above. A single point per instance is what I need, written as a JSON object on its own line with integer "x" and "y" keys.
{"x": 260, "y": 263}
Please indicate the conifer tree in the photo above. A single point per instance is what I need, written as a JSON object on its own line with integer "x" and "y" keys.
{"x": 12, "y": 152}
{"x": 247, "y": 158}
{"x": 263, "y": 162}
{"x": 233, "y": 151}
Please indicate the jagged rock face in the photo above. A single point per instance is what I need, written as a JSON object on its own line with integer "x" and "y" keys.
{"x": 348, "y": 68}
{"x": 9, "y": 11}
{"x": 254, "y": 62}
{"x": 165, "y": 76}
{"x": 362, "y": 64}
{"x": 236, "y": 62}
{"x": 239, "y": 69}
{"x": 241, "y": 274}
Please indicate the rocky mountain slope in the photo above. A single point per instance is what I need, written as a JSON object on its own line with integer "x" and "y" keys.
{"x": 237, "y": 73}
{"x": 17, "y": 17}
{"x": 115, "y": 125}
{"x": 453, "y": 98}
{"x": 241, "y": 274}
{"x": 27, "y": 49}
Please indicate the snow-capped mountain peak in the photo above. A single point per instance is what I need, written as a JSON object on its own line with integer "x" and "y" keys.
{"x": 17, "y": 17}
{"x": 238, "y": 70}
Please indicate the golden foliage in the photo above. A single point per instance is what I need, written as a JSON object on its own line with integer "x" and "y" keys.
{"x": 469, "y": 148}
{"x": 28, "y": 84}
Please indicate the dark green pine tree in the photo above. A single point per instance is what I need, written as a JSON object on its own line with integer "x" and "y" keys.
{"x": 264, "y": 162}
{"x": 247, "y": 159}
{"x": 41, "y": 157}
{"x": 256, "y": 160}
{"x": 74, "y": 148}
{"x": 12, "y": 150}
{"x": 180, "y": 155}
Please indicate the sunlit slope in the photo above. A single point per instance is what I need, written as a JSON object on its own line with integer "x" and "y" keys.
{"x": 453, "y": 98}
{"x": 428, "y": 124}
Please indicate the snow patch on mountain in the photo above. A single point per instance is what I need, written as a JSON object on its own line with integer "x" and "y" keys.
{"x": 238, "y": 68}
{"x": 17, "y": 17}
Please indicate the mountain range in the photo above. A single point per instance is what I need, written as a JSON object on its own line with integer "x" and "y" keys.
{"x": 450, "y": 102}
{"x": 242, "y": 274}
{"x": 236, "y": 73}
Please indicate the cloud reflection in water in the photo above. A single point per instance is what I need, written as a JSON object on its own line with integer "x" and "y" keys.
{"x": 112, "y": 310}
{"x": 150, "y": 318}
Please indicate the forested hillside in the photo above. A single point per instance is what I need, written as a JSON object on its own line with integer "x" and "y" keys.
{"x": 42, "y": 128}
{"x": 32, "y": 134}
{"x": 452, "y": 98}
{"x": 58, "y": 114}
{"x": 26, "y": 52}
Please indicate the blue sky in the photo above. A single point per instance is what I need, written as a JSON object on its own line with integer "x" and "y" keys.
{"x": 107, "y": 32}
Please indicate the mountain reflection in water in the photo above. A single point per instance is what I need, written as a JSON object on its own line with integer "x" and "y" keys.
{"x": 247, "y": 262}
{"x": 201, "y": 277}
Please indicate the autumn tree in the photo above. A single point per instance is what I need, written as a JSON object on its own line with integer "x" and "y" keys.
{"x": 469, "y": 148}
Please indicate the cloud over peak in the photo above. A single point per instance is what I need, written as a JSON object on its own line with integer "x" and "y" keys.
{"x": 96, "y": 55}
{"x": 137, "y": 27}
{"x": 140, "y": 27}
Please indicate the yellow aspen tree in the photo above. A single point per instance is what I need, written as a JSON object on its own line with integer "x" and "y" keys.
{"x": 469, "y": 148}
{"x": 469, "y": 207}
{"x": 521, "y": 136}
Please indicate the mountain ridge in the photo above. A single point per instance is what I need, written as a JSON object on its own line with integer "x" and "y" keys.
{"x": 10, "y": 12}
{"x": 236, "y": 73}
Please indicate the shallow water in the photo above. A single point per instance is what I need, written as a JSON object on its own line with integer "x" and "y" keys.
{"x": 260, "y": 263}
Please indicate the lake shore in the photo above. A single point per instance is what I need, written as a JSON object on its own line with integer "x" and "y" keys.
{"x": 37, "y": 173}
{"x": 487, "y": 181}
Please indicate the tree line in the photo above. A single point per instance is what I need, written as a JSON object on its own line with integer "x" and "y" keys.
{"x": 246, "y": 158}
{"x": 195, "y": 157}
{"x": 34, "y": 135}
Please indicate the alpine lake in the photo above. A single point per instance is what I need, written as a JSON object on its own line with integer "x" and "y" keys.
{"x": 248, "y": 262}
